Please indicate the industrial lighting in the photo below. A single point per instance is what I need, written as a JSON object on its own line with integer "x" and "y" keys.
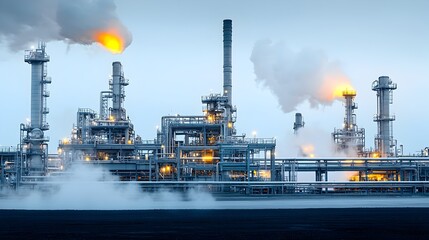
{"x": 210, "y": 118}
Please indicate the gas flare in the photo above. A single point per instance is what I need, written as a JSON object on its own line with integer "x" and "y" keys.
{"x": 342, "y": 89}
{"x": 334, "y": 87}
{"x": 74, "y": 22}
{"x": 298, "y": 76}
{"x": 111, "y": 41}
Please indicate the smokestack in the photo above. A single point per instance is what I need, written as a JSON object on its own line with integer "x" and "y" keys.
{"x": 227, "y": 60}
{"x": 118, "y": 93}
{"x": 299, "y": 123}
{"x": 227, "y": 76}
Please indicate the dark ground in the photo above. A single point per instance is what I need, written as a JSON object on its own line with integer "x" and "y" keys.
{"x": 363, "y": 223}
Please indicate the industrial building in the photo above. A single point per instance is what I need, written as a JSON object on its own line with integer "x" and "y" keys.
{"x": 200, "y": 149}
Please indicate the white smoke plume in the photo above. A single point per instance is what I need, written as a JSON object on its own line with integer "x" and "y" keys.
{"x": 310, "y": 142}
{"x": 295, "y": 77}
{"x": 74, "y": 21}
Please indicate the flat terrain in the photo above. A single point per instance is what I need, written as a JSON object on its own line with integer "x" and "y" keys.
{"x": 326, "y": 223}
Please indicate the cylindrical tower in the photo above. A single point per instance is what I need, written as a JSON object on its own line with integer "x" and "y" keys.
{"x": 299, "y": 122}
{"x": 227, "y": 59}
{"x": 118, "y": 93}
{"x": 37, "y": 58}
{"x": 227, "y": 76}
{"x": 35, "y": 140}
{"x": 384, "y": 139}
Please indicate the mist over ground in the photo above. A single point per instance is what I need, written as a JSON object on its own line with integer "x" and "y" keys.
{"x": 93, "y": 188}
{"x": 87, "y": 187}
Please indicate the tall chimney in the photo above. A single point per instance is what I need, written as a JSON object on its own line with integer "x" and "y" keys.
{"x": 227, "y": 75}
{"x": 118, "y": 93}
{"x": 227, "y": 60}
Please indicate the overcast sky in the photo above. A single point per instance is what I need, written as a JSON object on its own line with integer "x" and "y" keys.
{"x": 176, "y": 57}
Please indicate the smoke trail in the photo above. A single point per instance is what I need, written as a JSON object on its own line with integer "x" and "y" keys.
{"x": 295, "y": 77}
{"x": 79, "y": 21}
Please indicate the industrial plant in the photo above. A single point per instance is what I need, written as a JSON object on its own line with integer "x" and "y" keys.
{"x": 205, "y": 150}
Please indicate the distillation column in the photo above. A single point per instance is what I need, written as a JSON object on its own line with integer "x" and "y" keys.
{"x": 384, "y": 139}
{"x": 35, "y": 142}
{"x": 118, "y": 93}
{"x": 227, "y": 74}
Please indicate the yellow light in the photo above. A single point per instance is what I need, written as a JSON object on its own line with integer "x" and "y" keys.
{"x": 111, "y": 41}
{"x": 343, "y": 90}
{"x": 66, "y": 141}
{"x": 370, "y": 177}
{"x": 60, "y": 151}
{"x": 87, "y": 158}
{"x": 229, "y": 124}
{"x": 266, "y": 174}
{"x": 130, "y": 142}
{"x": 168, "y": 168}
{"x": 210, "y": 118}
{"x": 207, "y": 159}
{"x": 106, "y": 157}
{"x": 111, "y": 118}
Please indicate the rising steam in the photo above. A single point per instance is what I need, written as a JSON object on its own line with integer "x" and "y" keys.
{"x": 79, "y": 21}
{"x": 295, "y": 77}
{"x": 93, "y": 188}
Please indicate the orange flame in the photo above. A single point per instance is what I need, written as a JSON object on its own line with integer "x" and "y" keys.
{"x": 112, "y": 41}
{"x": 334, "y": 86}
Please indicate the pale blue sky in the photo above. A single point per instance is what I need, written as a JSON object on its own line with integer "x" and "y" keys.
{"x": 176, "y": 57}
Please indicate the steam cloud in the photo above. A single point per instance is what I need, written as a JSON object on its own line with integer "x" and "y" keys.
{"x": 295, "y": 77}
{"x": 92, "y": 188}
{"x": 23, "y": 22}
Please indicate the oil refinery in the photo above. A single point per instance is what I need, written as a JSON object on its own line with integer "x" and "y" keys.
{"x": 205, "y": 150}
